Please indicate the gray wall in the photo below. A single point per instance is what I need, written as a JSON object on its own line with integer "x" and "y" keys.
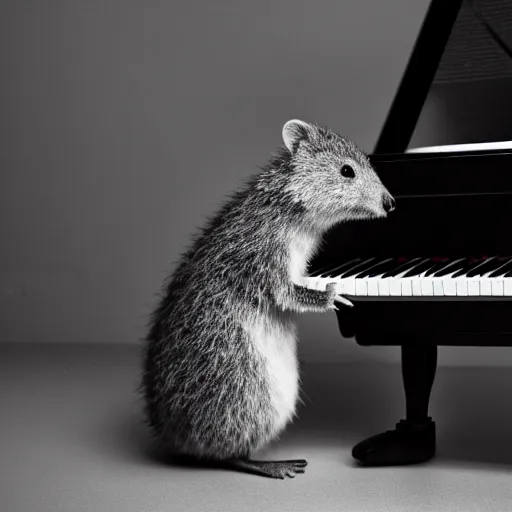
{"x": 124, "y": 123}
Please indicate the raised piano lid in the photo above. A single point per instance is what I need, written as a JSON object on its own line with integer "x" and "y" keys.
{"x": 454, "y": 95}
{"x": 449, "y": 124}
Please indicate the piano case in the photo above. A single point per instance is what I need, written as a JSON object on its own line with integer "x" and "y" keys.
{"x": 451, "y": 204}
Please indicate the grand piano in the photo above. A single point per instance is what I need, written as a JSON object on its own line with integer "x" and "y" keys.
{"x": 438, "y": 270}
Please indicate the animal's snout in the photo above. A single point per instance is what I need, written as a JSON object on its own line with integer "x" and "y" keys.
{"x": 388, "y": 203}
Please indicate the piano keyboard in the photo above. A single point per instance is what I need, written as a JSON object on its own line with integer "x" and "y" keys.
{"x": 418, "y": 278}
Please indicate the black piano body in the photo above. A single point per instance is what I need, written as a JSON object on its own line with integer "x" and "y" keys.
{"x": 450, "y": 205}
{"x": 444, "y": 210}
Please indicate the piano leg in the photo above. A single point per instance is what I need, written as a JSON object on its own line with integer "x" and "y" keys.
{"x": 414, "y": 438}
{"x": 419, "y": 363}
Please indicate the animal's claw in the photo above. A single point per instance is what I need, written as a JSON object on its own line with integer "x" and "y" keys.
{"x": 344, "y": 300}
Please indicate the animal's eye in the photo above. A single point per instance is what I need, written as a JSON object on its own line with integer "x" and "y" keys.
{"x": 347, "y": 171}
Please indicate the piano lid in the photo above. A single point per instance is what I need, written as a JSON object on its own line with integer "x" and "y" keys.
{"x": 455, "y": 92}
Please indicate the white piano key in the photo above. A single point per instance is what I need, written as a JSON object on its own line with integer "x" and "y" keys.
{"x": 485, "y": 287}
{"x": 438, "y": 286}
{"x": 407, "y": 287}
{"x": 411, "y": 286}
{"x": 449, "y": 286}
{"x": 473, "y": 287}
{"x": 400, "y": 286}
{"x": 371, "y": 283}
{"x": 312, "y": 284}
{"x": 427, "y": 286}
{"x": 379, "y": 286}
{"x": 497, "y": 288}
{"x": 395, "y": 282}
{"x": 309, "y": 283}
{"x": 373, "y": 287}
{"x": 361, "y": 288}
{"x": 395, "y": 287}
{"x": 507, "y": 286}
{"x": 416, "y": 287}
{"x": 315, "y": 283}
{"x": 494, "y": 285}
{"x": 449, "y": 283}
{"x": 462, "y": 286}
{"x": 384, "y": 287}
{"x": 349, "y": 286}
{"x": 444, "y": 285}
{"x": 432, "y": 286}
{"x": 486, "y": 283}
{"x": 469, "y": 286}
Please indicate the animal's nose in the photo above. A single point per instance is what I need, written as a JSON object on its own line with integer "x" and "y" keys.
{"x": 388, "y": 203}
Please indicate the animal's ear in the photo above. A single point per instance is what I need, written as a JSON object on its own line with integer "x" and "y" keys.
{"x": 295, "y": 131}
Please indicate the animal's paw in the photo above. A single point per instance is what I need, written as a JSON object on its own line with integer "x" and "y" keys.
{"x": 272, "y": 469}
{"x": 333, "y": 297}
{"x": 286, "y": 468}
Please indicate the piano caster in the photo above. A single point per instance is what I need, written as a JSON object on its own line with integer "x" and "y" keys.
{"x": 409, "y": 443}
{"x": 414, "y": 439}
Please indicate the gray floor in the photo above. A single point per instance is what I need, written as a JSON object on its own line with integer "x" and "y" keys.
{"x": 72, "y": 440}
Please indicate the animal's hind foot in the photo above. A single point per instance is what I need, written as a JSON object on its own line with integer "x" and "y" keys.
{"x": 272, "y": 469}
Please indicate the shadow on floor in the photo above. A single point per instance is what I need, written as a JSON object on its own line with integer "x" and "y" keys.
{"x": 473, "y": 411}
{"x": 344, "y": 404}
{"x": 471, "y": 407}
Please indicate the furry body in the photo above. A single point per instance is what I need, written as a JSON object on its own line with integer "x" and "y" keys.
{"x": 220, "y": 376}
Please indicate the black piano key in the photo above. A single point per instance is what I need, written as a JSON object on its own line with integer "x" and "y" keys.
{"x": 500, "y": 263}
{"x": 419, "y": 269}
{"x": 378, "y": 269}
{"x": 470, "y": 264}
{"x": 487, "y": 266}
{"x": 320, "y": 271}
{"x": 359, "y": 268}
{"x": 327, "y": 268}
{"x": 335, "y": 271}
{"x": 503, "y": 269}
{"x": 451, "y": 267}
{"x": 411, "y": 267}
{"x": 328, "y": 271}
{"x": 440, "y": 265}
{"x": 390, "y": 267}
{"x": 339, "y": 269}
{"x": 402, "y": 268}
